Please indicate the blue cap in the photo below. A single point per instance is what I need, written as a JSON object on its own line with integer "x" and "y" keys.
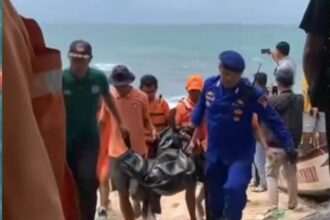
{"x": 232, "y": 60}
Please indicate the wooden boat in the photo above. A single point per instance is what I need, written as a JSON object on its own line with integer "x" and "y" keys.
{"x": 313, "y": 173}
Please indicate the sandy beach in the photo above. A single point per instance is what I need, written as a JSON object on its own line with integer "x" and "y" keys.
{"x": 174, "y": 208}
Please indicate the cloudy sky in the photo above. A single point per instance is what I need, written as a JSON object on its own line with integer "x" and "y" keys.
{"x": 164, "y": 11}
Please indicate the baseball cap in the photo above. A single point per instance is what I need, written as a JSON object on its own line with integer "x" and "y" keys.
{"x": 195, "y": 82}
{"x": 121, "y": 76}
{"x": 80, "y": 49}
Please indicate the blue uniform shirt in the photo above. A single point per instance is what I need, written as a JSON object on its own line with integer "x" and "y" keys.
{"x": 230, "y": 137}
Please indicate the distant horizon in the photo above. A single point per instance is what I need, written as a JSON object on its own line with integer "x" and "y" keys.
{"x": 170, "y": 23}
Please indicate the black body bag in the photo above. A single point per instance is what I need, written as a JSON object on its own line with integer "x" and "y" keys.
{"x": 170, "y": 172}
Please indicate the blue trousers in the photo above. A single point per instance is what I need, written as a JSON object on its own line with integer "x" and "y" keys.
{"x": 227, "y": 184}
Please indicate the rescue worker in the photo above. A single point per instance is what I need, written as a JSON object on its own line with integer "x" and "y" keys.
{"x": 183, "y": 114}
{"x": 159, "y": 115}
{"x": 36, "y": 183}
{"x": 229, "y": 103}
{"x": 158, "y": 108}
{"x": 134, "y": 110}
{"x": 82, "y": 88}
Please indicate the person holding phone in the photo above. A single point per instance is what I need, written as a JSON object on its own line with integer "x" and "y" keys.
{"x": 281, "y": 57}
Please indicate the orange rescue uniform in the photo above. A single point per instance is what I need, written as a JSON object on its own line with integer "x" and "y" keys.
{"x": 183, "y": 113}
{"x": 134, "y": 111}
{"x": 159, "y": 111}
{"x": 34, "y": 171}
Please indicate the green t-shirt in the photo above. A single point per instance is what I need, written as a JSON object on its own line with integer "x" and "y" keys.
{"x": 82, "y": 99}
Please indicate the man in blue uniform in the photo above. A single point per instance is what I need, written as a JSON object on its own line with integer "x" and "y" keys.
{"x": 229, "y": 102}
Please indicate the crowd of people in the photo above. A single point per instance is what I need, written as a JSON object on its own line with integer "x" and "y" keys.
{"x": 236, "y": 124}
{"x": 138, "y": 115}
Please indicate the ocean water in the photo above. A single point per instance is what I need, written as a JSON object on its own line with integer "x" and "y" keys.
{"x": 172, "y": 52}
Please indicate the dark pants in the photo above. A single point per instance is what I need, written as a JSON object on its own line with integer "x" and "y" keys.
{"x": 82, "y": 160}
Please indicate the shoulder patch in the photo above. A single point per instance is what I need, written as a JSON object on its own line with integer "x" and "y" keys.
{"x": 263, "y": 100}
{"x": 210, "y": 98}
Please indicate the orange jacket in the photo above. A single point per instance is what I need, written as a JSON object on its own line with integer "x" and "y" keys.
{"x": 34, "y": 173}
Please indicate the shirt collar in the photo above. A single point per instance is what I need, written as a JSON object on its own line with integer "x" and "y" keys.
{"x": 76, "y": 78}
{"x": 117, "y": 96}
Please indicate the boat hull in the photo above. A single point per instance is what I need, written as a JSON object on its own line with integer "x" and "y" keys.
{"x": 312, "y": 173}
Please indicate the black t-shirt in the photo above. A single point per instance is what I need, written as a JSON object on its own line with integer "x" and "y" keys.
{"x": 315, "y": 20}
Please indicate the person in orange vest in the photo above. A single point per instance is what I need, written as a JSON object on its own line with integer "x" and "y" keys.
{"x": 36, "y": 183}
{"x": 82, "y": 88}
{"x": 159, "y": 114}
{"x": 158, "y": 107}
{"x": 183, "y": 113}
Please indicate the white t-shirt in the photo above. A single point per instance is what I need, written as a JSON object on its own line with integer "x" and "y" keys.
{"x": 286, "y": 63}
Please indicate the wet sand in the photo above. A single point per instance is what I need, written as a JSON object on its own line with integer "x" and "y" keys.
{"x": 174, "y": 208}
